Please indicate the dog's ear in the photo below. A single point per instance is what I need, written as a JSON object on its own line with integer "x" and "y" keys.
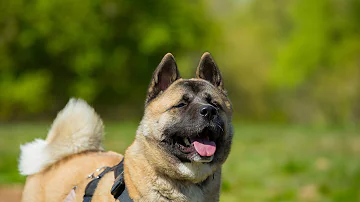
{"x": 164, "y": 75}
{"x": 209, "y": 71}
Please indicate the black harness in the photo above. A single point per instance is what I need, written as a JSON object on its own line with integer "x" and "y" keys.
{"x": 118, "y": 190}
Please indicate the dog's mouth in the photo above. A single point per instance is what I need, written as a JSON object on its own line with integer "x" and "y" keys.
{"x": 203, "y": 144}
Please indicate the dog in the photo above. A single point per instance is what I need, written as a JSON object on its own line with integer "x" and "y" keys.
{"x": 181, "y": 143}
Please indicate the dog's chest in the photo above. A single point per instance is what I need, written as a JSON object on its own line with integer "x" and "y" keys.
{"x": 175, "y": 191}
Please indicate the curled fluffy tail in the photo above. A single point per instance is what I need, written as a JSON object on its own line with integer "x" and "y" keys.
{"x": 77, "y": 128}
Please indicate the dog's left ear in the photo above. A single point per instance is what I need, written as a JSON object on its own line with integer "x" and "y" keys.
{"x": 164, "y": 75}
{"x": 209, "y": 71}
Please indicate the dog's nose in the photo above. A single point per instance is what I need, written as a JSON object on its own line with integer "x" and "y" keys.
{"x": 208, "y": 112}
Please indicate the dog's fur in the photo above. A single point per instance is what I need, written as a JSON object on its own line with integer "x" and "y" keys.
{"x": 155, "y": 169}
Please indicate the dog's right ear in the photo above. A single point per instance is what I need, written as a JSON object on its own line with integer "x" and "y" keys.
{"x": 164, "y": 75}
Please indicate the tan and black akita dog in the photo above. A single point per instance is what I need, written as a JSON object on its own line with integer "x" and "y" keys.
{"x": 181, "y": 143}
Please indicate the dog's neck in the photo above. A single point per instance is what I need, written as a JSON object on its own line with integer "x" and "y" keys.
{"x": 146, "y": 184}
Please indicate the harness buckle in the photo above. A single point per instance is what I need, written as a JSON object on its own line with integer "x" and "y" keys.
{"x": 118, "y": 187}
{"x": 97, "y": 171}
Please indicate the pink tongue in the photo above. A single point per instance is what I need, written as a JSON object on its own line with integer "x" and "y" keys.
{"x": 204, "y": 147}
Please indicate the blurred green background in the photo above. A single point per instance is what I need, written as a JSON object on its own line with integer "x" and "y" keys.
{"x": 291, "y": 68}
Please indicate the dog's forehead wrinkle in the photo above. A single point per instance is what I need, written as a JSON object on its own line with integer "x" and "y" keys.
{"x": 187, "y": 97}
{"x": 194, "y": 86}
{"x": 198, "y": 89}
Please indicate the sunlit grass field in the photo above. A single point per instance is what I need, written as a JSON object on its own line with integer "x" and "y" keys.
{"x": 267, "y": 162}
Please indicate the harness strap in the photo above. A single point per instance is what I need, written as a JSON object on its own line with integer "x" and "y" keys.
{"x": 119, "y": 169}
{"x": 90, "y": 188}
{"x": 124, "y": 197}
{"x": 118, "y": 190}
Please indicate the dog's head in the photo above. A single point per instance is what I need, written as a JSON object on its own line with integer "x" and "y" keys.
{"x": 186, "y": 130}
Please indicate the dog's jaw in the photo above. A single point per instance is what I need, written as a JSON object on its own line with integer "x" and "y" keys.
{"x": 195, "y": 171}
{"x": 147, "y": 184}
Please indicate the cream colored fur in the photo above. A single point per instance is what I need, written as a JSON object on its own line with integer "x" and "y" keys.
{"x": 77, "y": 128}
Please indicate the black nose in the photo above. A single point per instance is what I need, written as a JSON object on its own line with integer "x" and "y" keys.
{"x": 208, "y": 112}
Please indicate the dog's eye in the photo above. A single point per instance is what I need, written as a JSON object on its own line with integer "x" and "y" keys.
{"x": 180, "y": 105}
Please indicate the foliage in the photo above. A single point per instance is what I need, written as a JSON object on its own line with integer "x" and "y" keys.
{"x": 294, "y": 61}
{"x": 282, "y": 60}
{"x": 102, "y": 51}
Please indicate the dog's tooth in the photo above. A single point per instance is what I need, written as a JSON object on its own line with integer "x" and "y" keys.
{"x": 186, "y": 141}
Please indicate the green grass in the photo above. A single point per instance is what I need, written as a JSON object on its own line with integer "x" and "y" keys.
{"x": 267, "y": 162}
